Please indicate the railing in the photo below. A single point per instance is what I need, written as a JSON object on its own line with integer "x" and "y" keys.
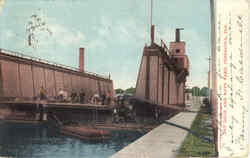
{"x": 32, "y": 58}
{"x": 164, "y": 46}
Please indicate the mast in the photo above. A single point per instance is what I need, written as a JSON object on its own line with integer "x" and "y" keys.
{"x": 151, "y": 14}
{"x": 152, "y": 27}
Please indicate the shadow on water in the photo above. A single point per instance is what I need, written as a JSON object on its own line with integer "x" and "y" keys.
{"x": 26, "y": 140}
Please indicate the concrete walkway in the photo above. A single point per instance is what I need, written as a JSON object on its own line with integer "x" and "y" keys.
{"x": 163, "y": 141}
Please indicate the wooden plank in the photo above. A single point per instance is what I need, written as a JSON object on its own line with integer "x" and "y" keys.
{"x": 59, "y": 80}
{"x": 166, "y": 86}
{"x": 74, "y": 82}
{"x": 147, "y": 81}
{"x": 38, "y": 79}
{"x": 153, "y": 78}
{"x": 181, "y": 96}
{"x": 50, "y": 82}
{"x": 141, "y": 81}
{"x": 10, "y": 77}
{"x": 26, "y": 80}
{"x": 79, "y": 83}
{"x": 173, "y": 89}
{"x": 67, "y": 82}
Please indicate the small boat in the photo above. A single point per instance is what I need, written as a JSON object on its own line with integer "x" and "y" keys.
{"x": 85, "y": 132}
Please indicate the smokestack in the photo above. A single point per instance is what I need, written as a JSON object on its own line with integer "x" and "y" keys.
{"x": 81, "y": 59}
{"x": 177, "y": 34}
{"x": 152, "y": 34}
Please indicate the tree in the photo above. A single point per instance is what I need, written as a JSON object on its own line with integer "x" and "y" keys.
{"x": 119, "y": 90}
{"x": 195, "y": 91}
{"x": 130, "y": 90}
{"x": 188, "y": 90}
{"x": 204, "y": 91}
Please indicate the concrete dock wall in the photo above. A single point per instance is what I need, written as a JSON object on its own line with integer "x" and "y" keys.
{"x": 23, "y": 78}
{"x": 163, "y": 141}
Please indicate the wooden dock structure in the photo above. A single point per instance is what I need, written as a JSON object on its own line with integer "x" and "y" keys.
{"x": 19, "y": 71}
{"x": 163, "y": 72}
{"x": 58, "y": 105}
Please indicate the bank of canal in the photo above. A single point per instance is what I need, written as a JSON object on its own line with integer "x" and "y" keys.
{"x": 201, "y": 142}
{"x": 33, "y": 141}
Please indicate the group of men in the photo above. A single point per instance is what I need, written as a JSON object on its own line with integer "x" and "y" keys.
{"x": 78, "y": 97}
{"x": 105, "y": 98}
{"x": 64, "y": 97}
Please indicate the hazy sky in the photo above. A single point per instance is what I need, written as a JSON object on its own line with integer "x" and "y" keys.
{"x": 113, "y": 32}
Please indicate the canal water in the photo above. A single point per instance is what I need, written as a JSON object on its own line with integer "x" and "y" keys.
{"x": 35, "y": 141}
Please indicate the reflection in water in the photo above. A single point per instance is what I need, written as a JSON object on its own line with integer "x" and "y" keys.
{"x": 25, "y": 140}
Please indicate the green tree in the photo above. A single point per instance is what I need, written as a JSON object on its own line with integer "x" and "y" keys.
{"x": 195, "y": 91}
{"x": 119, "y": 90}
{"x": 204, "y": 91}
{"x": 130, "y": 90}
{"x": 188, "y": 90}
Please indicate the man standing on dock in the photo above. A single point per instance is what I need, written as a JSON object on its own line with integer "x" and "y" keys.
{"x": 95, "y": 99}
{"x": 73, "y": 96}
{"x": 103, "y": 98}
{"x": 42, "y": 93}
{"x": 60, "y": 94}
{"x": 82, "y": 96}
{"x": 42, "y": 106}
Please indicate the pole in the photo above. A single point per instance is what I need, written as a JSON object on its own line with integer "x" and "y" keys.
{"x": 152, "y": 28}
{"x": 213, "y": 44}
{"x": 209, "y": 78}
{"x": 151, "y": 15}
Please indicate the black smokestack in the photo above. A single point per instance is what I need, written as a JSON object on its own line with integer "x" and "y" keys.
{"x": 177, "y": 34}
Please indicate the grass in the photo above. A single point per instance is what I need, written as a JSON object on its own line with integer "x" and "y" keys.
{"x": 195, "y": 146}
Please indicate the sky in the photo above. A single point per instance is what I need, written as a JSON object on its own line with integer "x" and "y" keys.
{"x": 113, "y": 33}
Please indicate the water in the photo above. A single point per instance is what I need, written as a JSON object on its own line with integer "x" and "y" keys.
{"x": 34, "y": 141}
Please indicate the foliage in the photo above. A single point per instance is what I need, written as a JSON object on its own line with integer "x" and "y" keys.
{"x": 196, "y": 91}
{"x": 204, "y": 91}
{"x": 188, "y": 90}
{"x": 194, "y": 146}
{"x": 119, "y": 90}
{"x": 36, "y": 25}
{"x": 130, "y": 90}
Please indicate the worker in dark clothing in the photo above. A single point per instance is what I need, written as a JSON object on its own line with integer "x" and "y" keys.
{"x": 82, "y": 96}
{"x": 103, "y": 98}
{"x": 157, "y": 114}
{"x": 122, "y": 100}
{"x": 73, "y": 96}
{"x": 118, "y": 100}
